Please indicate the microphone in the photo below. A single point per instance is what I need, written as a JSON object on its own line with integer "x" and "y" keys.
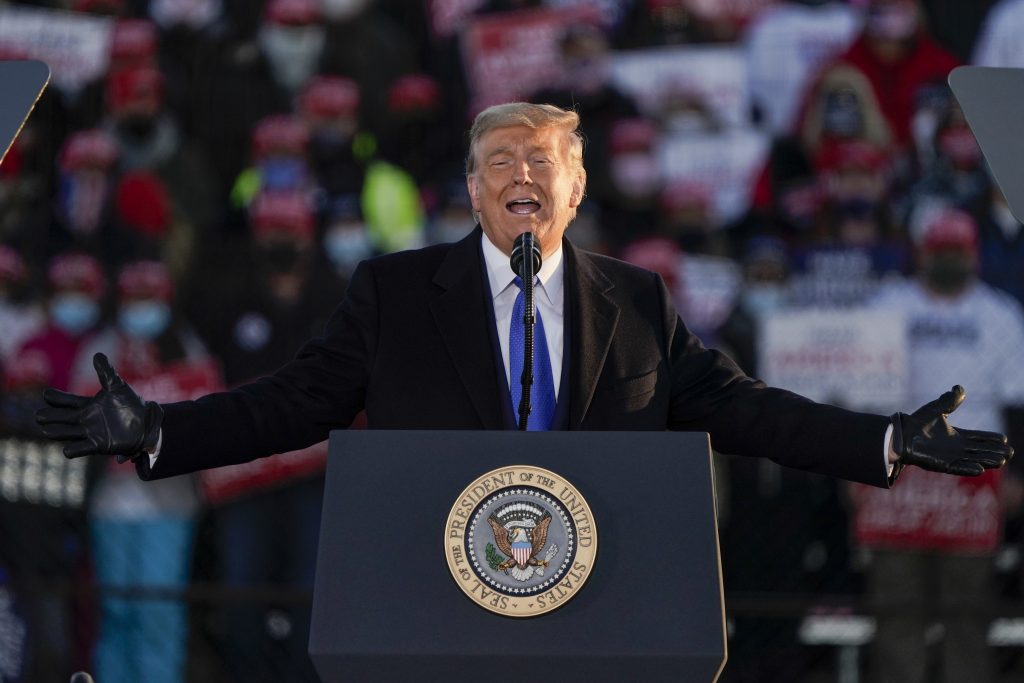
{"x": 81, "y": 677}
{"x": 526, "y": 269}
{"x": 523, "y": 245}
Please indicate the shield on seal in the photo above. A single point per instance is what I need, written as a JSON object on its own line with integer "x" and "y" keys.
{"x": 521, "y": 551}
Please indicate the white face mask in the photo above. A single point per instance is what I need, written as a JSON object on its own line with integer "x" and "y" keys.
{"x": 762, "y": 299}
{"x": 194, "y": 14}
{"x": 636, "y": 175}
{"x": 293, "y": 52}
{"x": 347, "y": 245}
{"x": 339, "y": 10}
{"x": 892, "y": 22}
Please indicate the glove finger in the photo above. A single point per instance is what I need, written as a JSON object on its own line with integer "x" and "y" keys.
{"x": 63, "y": 432}
{"x": 943, "y": 405}
{"x": 79, "y": 449}
{"x": 45, "y": 416}
{"x": 966, "y": 468}
{"x": 980, "y": 435}
{"x": 62, "y": 399}
{"x": 109, "y": 379}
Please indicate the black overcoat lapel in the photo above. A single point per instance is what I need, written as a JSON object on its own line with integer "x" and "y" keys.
{"x": 594, "y": 318}
{"x": 460, "y": 314}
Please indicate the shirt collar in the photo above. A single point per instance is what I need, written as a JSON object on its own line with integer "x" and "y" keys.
{"x": 500, "y": 274}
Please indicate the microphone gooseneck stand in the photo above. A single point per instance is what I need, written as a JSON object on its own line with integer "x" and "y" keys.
{"x": 526, "y": 269}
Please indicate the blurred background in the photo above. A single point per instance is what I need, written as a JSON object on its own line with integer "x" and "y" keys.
{"x": 202, "y": 176}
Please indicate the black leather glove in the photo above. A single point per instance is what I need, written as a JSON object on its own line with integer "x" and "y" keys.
{"x": 927, "y": 440}
{"x": 113, "y": 422}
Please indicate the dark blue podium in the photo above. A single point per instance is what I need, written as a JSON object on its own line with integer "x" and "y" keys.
{"x": 386, "y": 606}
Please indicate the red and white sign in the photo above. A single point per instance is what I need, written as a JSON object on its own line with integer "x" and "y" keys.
{"x": 855, "y": 358}
{"x": 929, "y": 511}
{"x": 715, "y": 75}
{"x": 509, "y": 56}
{"x": 726, "y": 165}
{"x": 74, "y": 45}
{"x": 222, "y": 484}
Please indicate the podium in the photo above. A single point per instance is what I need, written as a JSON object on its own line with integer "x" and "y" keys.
{"x": 386, "y": 606}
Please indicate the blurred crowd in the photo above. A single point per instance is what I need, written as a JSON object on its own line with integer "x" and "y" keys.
{"x": 201, "y": 177}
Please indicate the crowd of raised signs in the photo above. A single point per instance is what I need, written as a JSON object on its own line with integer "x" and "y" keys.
{"x": 201, "y": 177}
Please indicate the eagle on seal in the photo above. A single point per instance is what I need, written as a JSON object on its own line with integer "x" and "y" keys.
{"x": 522, "y": 546}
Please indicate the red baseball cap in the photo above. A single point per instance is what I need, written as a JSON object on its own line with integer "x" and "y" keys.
{"x": 145, "y": 280}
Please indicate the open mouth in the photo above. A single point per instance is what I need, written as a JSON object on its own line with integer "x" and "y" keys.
{"x": 523, "y": 207}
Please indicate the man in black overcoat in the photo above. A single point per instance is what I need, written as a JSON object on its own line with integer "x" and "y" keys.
{"x": 421, "y": 341}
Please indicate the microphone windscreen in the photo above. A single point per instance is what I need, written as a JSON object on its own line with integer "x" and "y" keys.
{"x": 81, "y": 677}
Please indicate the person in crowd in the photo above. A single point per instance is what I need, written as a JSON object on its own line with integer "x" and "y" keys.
{"x": 21, "y": 316}
{"x": 253, "y": 77}
{"x": 932, "y": 540}
{"x": 142, "y": 536}
{"x": 786, "y": 45}
{"x": 149, "y": 138}
{"x": 329, "y": 107}
{"x": 637, "y": 180}
{"x": 858, "y": 245}
{"x": 280, "y": 145}
{"x": 87, "y": 174}
{"x": 76, "y": 286}
{"x": 956, "y": 175}
{"x": 898, "y": 57}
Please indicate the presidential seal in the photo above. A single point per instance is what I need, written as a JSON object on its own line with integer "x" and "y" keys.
{"x": 520, "y": 541}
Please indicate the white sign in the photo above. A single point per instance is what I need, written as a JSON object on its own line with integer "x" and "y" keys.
{"x": 74, "y": 45}
{"x": 725, "y": 164}
{"x": 855, "y": 357}
{"x": 716, "y": 75}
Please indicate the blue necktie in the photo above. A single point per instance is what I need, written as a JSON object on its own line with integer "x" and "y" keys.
{"x": 542, "y": 394}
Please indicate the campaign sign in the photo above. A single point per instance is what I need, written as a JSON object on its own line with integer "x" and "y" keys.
{"x": 510, "y": 55}
{"x": 715, "y": 75}
{"x": 930, "y": 511}
{"x": 855, "y": 358}
{"x": 74, "y": 45}
{"x": 725, "y": 164}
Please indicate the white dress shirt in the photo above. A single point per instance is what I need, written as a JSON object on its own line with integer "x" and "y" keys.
{"x": 549, "y": 298}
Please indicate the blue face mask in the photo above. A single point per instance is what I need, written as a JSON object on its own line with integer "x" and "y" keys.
{"x": 145, "y": 320}
{"x": 347, "y": 247}
{"x": 282, "y": 174}
{"x": 74, "y": 313}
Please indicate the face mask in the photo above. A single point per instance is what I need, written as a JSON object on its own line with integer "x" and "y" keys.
{"x": 761, "y": 299}
{"x": 892, "y": 22}
{"x": 842, "y": 116}
{"x": 636, "y": 175}
{"x": 281, "y": 258}
{"x": 959, "y": 146}
{"x": 293, "y": 52}
{"x": 194, "y": 14}
{"x": 347, "y": 246}
{"x": 856, "y": 209}
{"x": 282, "y": 173}
{"x": 137, "y": 126}
{"x": 339, "y": 10}
{"x": 145, "y": 320}
{"x": 74, "y": 313}
{"x": 949, "y": 273}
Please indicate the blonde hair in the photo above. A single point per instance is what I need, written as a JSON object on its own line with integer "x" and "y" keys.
{"x": 531, "y": 116}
